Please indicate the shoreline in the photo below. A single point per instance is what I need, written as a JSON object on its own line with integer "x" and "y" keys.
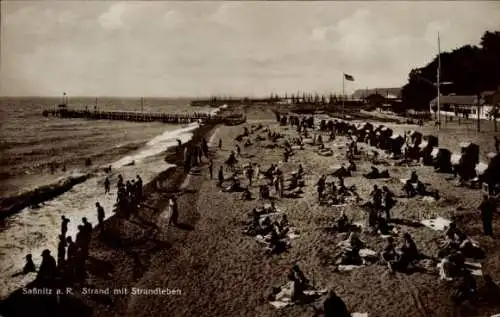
{"x": 165, "y": 182}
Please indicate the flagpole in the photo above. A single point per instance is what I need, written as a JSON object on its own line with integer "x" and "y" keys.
{"x": 438, "y": 99}
{"x": 343, "y": 94}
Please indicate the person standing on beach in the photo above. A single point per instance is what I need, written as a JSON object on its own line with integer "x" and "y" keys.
{"x": 120, "y": 181}
{"x": 174, "y": 211}
{"x": 100, "y": 216}
{"x": 106, "y": 185}
{"x": 61, "y": 251}
{"x": 86, "y": 237}
{"x": 204, "y": 145}
{"x": 321, "y": 186}
{"x": 48, "y": 268}
{"x": 220, "y": 143}
{"x": 211, "y": 168}
{"x": 250, "y": 174}
{"x": 139, "y": 188}
{"x": 64, "y": 225}
{"x": 487, "y": 208}
{"x": 72, "y": 252}
{"x": 221, "y": 175}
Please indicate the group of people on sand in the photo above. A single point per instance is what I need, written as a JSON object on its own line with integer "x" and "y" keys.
{"x": 382, "y": 200}
{"x": 72, "y": 255}
{"x": 129, "y": 195}
{"x": 193, "y": 154}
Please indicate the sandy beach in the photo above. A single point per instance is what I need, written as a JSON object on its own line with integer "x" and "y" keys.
{"x": 206, "y": 266}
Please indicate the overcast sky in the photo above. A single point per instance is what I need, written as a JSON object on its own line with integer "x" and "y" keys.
{"x": 234, "y": 48}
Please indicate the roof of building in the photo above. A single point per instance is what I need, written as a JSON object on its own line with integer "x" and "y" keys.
{"x": 394, "y": 92}
{"x": 456, "y": 100}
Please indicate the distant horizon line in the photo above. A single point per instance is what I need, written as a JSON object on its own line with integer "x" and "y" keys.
{"x": 166, "y": 97}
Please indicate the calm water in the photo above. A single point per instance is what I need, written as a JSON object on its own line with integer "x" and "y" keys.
{"x": 29, "y": 142}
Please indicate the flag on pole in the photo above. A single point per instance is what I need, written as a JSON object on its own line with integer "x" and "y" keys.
{"x": 348, "y": 77}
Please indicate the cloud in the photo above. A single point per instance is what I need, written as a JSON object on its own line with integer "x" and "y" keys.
{"x": 172, "y": 18}
{"x": 112, "y": 19}
{"x": 172, "y": 48}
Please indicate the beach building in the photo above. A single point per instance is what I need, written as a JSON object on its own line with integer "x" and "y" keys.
{"x": 383, "y": 98}
{"x": 468, "y": 105}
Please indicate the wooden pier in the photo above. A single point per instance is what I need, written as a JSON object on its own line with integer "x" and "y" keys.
{"x": 134, "y": 116}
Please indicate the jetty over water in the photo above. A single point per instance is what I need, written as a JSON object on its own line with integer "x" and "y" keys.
{"x": 142, "y": 116}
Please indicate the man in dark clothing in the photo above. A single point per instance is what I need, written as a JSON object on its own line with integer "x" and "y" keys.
{"x": 321, "y": 186}
{"x": 220, "y": 143}
{"x": 100, "y": 216}
{"x": 204, "y": 146}
{"x": 64, "y": 225}
{"x": 48, "y": 267}
{"x": 139, "y": 188}
{"x": 87, "y": 226}
{"x": 61, "y": 251}
{"x": 376, "y": 195}
{"x": 29, "y": 266}
{"x": 487, "y": 208}
{"x": 211, "y": 168}
{"x": 106, "y": 185}
{"x": 120, "y": 181}
{"x": 221, "y": 175}
{"x": 175, "y": 211}
{"x": 334, "y": 306}
{"x": 388, "y": 201}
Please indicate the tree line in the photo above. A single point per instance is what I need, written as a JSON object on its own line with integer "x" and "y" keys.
{"x": 469, "y": 69}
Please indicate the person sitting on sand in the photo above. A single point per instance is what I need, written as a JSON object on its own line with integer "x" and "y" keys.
{"x": 342, "y": 222}
{"x": 466, "y": 287}
{"x": 350, "y": 250}
{"x": 409, "y": 247}
{"x": 334, "y": 306}
{"x": 283, "y": 222}
{"x": 264, "y": 192}
{"x": 246, "y": 195}
{"x": 388, "y": 201}
{"x": 376, "y": 196}
{"x": 300, "y": 171}
{"x": 29, "y": 266}
{"x": 352, "y": 166}
{"x": 295, "y": 274}
{"x": 389, "y": 254}
{"x": 374, "y": 173}
{"x": 454, "y": 236}
{"x": 451, "y": 266}
{"x": 276, "y": 244}
{"x": 409, "y": 189}
{"x": 321, "y": 186}
{"x": 414, "y": 177}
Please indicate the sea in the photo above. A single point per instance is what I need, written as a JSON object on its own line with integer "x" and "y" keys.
{"x": 36, "y": 151}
